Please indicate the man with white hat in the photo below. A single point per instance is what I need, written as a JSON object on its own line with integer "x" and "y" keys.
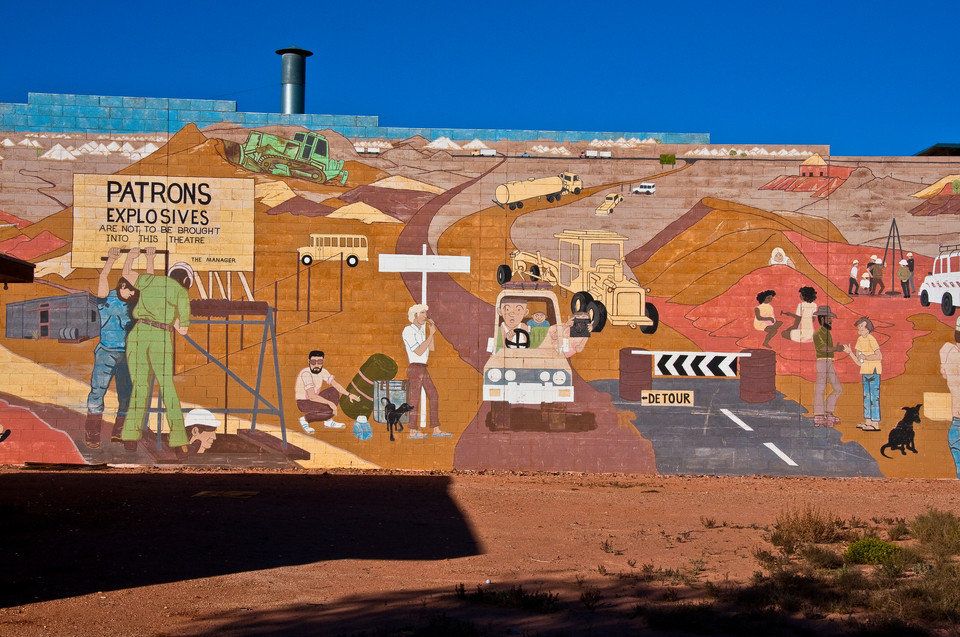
{"x": 163, "y": 308}
{"x": 904, "y": 274}
{"x": 854, "y": 282}
{"x": 201, "y": 427}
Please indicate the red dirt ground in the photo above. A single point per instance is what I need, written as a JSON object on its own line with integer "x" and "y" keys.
{"x": 124, "y": 552}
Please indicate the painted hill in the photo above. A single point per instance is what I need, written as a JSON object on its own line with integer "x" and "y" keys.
{"x": 273, "y": 193}
{"x": 717, "y": 243}
{"x": 29, "y": 249}
{"x": 945, "y": 203}
{"x": 400, "y": 204}
{"x": 417, "y": 141}
{"x": 362, "y": 212}
{"x": 941, "y": 187}
{"x": 300, "y": 207}
{"x": 11, "y": 226}
{"x": 8, "y": 219}
{"x": 399, "y": 182}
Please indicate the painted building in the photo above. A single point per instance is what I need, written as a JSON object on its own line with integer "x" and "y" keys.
{"x": 276, "y": 290}
{"x": 815, "y": 166}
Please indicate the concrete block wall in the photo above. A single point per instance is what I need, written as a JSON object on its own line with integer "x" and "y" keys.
{"x": 54, "y": 112}
{"x": 701, "y": 247}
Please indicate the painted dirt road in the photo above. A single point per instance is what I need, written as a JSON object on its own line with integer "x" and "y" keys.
{"x": 610, "y": 444}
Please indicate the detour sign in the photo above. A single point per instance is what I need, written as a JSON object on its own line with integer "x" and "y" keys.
{"x": 666, "y": 397}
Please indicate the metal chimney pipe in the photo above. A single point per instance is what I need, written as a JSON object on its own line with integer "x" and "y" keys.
{"x": 293, "y": 75}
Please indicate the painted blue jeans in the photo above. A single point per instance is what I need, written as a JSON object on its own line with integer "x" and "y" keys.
{"x": 871, "y": 397}
{"x": 953, "y": 437}
{"x": 107, "y": 365}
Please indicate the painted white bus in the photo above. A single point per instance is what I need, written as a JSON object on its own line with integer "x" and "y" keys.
{"x": 352, "y": 248}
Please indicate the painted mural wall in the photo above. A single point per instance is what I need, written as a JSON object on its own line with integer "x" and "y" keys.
{"x": 278, "y": 295}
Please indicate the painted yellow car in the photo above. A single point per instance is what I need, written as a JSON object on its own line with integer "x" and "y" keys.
{"x": 609, "y": 203}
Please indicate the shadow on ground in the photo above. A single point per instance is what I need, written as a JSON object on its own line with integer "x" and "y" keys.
{"x": 68, "y": 534}
{"x": 611, "y": 609}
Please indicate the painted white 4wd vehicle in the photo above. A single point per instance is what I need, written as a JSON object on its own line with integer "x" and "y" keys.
{"x": 527, "y": 365}
{"x": 943, "y": 284}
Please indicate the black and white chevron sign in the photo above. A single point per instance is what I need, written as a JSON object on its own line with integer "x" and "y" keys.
{"x": 696, "y": 364}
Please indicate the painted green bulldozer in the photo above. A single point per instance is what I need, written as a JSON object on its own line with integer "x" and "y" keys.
{"x": 306, "y": 156}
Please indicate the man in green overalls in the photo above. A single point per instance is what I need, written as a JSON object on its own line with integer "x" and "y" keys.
{"x": 164, "y": 306}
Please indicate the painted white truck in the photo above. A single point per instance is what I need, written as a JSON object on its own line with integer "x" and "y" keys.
{"x": 943, "y": 284}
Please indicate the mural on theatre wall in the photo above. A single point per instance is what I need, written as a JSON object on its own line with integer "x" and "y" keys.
{"x": 302, "y": 298}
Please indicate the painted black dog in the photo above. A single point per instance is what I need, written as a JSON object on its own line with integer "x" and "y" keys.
{"x": 394, "y": 414}
{"x": 901, "y": 436}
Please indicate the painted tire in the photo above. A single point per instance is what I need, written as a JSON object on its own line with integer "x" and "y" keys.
{"x": 651, "y": 312}
{"x": 580, "y": 301}
{"x": 598, "y": 316}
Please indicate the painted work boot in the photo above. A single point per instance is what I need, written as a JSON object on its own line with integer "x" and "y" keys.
{"x": 117, "y": 429}
{"x": 91, "y": 431}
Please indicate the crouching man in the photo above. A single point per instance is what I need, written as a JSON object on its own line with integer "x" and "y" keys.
{"x": 317, "y": 404}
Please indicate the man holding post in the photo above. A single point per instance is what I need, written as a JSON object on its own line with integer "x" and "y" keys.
{"x": 164, "y": 308}
{"x": 418, "y": 341}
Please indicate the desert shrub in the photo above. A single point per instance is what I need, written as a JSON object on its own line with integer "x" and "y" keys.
{"x": 786, "y": 591}
{"x": 850, "y": 579}
{"x": 821, "y": 557}
{"x": 591, "y": 597}
{"x": 700, "y": 619}
{"x": 443, "y": 626}
{"x": 806, "y": 526}
{"x": 938, "y": 532}
{"x": 768, "y": 560}
{"x": 934, "y": 596}
{"x": 870, "y": 550}
{"x": 515, "y": 597}
{"x": 898, "y": 531}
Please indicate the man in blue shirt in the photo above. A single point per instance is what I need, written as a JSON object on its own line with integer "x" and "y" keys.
{"x": 110, "y": 357}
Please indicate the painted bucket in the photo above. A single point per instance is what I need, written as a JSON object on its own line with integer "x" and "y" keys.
{"x": 393, "y": 390}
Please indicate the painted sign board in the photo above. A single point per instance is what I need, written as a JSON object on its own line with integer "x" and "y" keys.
{"x": 666, "y": 397}
{"x": 204, "y": 221}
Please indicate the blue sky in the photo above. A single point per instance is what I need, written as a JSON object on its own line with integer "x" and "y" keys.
{"x": 867, "y": 78}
